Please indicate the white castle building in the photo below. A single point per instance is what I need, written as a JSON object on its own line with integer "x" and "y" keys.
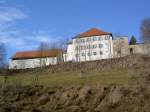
{"x": 93, "y": 44}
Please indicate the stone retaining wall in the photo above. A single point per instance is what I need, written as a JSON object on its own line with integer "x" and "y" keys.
{"x": 115, "y": 63}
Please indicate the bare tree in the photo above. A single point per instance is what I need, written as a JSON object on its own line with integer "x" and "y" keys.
{"x": 2, "y": 55}
{"x": 47, "y": 47}
{"x": 42, "y": 48}
{"x": 145, "y": 30}
{"x": 61, "y": 45}
{"x": 3, "y": 67}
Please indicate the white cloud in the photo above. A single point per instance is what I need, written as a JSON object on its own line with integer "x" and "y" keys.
{"x": 8, "y": 17}
{"x": 21, "y": 41}
{"x": 17, "y": 40}
{"x": 8, "y": 14}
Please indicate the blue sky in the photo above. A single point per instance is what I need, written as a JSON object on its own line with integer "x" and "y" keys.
{"x": 25, "y": 23}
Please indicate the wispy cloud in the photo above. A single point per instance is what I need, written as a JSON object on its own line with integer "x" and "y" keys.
{"x": 8, "y": 14}
{"x": 21, "y": 41}
{"x": 17, "y": 39}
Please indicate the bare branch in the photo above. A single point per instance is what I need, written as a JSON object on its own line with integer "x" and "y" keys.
{"x": 145, "y": 30}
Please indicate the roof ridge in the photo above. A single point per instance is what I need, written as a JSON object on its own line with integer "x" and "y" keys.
{"x": 37, "y": 50}
{"x": 92, "y": 32}
{"x": 36, "y": 54}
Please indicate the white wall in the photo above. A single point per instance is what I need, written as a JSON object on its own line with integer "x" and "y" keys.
{"x": 78, "y": 51}
{"x": 120, "y": 46}
{"x": 32, "y": 63}
{"x": 70, "y": 52}
{"x": 141, "y": 49}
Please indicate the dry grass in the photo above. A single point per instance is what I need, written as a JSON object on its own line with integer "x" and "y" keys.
{"x": 120, "y": 76}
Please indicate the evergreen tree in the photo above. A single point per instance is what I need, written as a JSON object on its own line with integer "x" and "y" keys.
{"x": 133, "y": 40}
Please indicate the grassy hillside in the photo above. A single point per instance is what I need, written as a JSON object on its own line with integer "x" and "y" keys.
{"x": 103, "y": 72}
{"x": 117, "y": 76}
{"x": 106, "y": 91}
{"x": 109, "y": 90}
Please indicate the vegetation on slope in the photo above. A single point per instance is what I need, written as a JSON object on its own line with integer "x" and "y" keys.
{"x": 107, "y": 90}
{"x": 105, "y": 77}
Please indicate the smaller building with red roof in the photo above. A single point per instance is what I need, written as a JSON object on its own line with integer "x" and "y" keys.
{"x": 33, "y": 59}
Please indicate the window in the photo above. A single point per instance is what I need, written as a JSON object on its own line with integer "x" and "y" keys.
{"x": 77, "y": 40}
{"x": 118, "y": 52}
{"x": 101, "y": 53}
{"x": 107, "y": 37}
{"x": 82, "y": 41}
{"x": 88, "y": 39}
{"x": 94, "y": 53}
{"x": 91, "y": 46}
{"x": 131, "y": 50}
{"x": 94, "y": 46}
{"x": 94, "y": 38}
{"x": 88, "y": 47}
{"x": 83, "y": 54}
{"x": 88, "y": 54}
{"x": 77, "y": 48}
{"x": 100, "y": 38}
{"x": 83, "y": 47}
{"x": 100, "y": 45}
{"x": 77, "y": 55}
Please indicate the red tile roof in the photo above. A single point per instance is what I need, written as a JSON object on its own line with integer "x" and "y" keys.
{"x": 92, "y": 32}
{"x": 36, "y": 54}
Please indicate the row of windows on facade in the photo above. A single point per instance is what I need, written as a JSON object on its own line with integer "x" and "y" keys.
{"x": 89, "y": 47}
{"x": 107, "y": 37}
{"x": 90, "y": 54}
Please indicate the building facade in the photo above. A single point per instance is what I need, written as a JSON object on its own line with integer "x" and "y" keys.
{"x": 34, "y": 59}
{"x": 93, "y": 44}
{"x": 120, "y": 46}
